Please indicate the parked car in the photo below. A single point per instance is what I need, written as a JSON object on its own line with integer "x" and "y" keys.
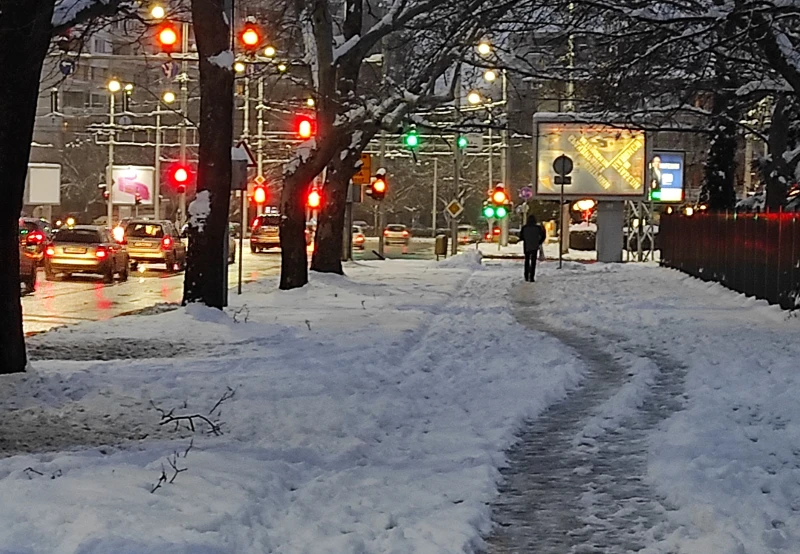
{"x": 33, "y": 235}
{"x": 265, "y": 232}
{"x": 28, "y": 262}
{"x": 85, "y": 249}
{"x": 396, "y": 233}
{"x": 467, "y": 234}
{"x": 358, "y": 237}
{"x": 155, "y": 241}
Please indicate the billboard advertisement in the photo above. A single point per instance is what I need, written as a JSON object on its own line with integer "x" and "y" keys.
{"x": 607, "y": 161}
{"x": 130, "y": 180}
{"x": 665, "y": 176}
{"x": 43, "y": 185}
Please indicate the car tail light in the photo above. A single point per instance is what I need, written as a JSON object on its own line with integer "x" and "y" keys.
{"x": 36, "y": 237}
{"x": 50, "y": 251}
{"x": 487, "y": 236}
{"x": 256, "y": 223}
{"x": 405, "y": 233}
{"x": 166, "y": 243}
{"x": 101, "y": 253}
{"x": 496, "y": 230}
{"x": 386, "y": 233}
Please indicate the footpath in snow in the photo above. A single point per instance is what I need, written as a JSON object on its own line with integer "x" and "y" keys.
{"x": 374, "y": 414}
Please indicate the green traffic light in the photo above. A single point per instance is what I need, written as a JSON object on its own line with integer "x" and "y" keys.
{"x": 412, "y": 139}
{"x": 462, "y": 142}
{"x": 501, "y": 212}
{"x": 488, "y": 211}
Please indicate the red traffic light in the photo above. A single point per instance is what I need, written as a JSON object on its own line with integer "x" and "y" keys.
{"x": 168, "y": 37}
{"x": 250, "y": 37}
{"x": 179, "y": 176}
{"x": 314, "y": 199}
{"x": 499, "y": 196}
{"x": 379, "y": 186}
{"x": 259, "y": 194}
{"x": 305, "y": 127}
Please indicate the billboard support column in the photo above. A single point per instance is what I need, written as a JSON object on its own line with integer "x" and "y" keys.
{"x": 610, "y": 221}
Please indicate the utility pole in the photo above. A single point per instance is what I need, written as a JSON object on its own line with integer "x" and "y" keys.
{"x": 457, "y": 167}
{"x": 157, "y": 176}
{"x": 381, "y": 224}
{"x": 504, "y": 155}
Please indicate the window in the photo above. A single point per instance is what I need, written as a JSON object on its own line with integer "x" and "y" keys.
{"x": 144, "y": 230}
{"x": 396, "y": 228}
{"x": 74, "y": 99}
{"x": 81, "y": 236}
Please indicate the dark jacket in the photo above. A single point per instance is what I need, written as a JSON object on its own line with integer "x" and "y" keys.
{"x": 533, "y": 235}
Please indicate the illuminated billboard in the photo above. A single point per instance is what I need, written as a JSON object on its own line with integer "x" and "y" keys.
{"x": 608, "y": 161}
{"x": 130, "y": 180}
{"x": 665, "y": 176}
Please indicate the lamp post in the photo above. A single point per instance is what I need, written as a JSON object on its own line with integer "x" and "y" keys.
{"x": 114, "y": 86}
{"x": 167, "y": 98}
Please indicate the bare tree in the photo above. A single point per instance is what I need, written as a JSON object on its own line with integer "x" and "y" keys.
{"x": 26, "y": 29}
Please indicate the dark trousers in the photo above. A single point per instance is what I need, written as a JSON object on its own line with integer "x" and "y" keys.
{"x": 530, "y": 265}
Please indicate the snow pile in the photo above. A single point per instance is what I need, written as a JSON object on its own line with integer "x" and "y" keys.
{"x": 468, "y": 259}
{"x": 359, "y": 414}
{"x": 224, "y": 59}
{"x": 199, "y": 210}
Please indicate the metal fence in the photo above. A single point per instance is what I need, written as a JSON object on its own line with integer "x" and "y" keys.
{"x": 756, "y": 254}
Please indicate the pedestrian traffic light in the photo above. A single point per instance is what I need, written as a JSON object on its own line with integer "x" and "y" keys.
{"x": 260, "y": 194}
{"x": 314, "y": 199}
{"x": 411, "y": 138}
{"x": 488, "y": 211}
{"x": 168, "y": 37}
{"x": 250, "y": 37}
{"x": 497, "y": 205}
{"x": 462, "y": 142}
{"x": 305, "y": 127}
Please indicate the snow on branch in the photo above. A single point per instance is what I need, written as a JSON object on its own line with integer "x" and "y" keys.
{"x": 68, "y": 13}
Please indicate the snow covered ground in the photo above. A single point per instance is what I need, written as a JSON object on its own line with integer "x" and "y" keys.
{"x": 371, "y": 414}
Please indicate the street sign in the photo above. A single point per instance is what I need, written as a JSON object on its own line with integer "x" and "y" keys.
{"x": 259, "y": 180}
{"x": 562, "y": 165}
{"x": 454, "y": 209}
{"x": 67, "y": 67}
{"x": 526, "y": 193}
{"x": 364, "y": 173}
{"x": 243, "y": 146}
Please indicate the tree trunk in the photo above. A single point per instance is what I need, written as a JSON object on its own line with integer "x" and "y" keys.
{"x": 327, "y": 257}
{"x": 25, "y": 33}
{"x": 718, "y": 190}
{"x": 206, "y": 273}
{"x": 294, "y": 259}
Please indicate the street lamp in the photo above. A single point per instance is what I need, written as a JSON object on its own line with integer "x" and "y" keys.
{"x": 484, "y": 48}
{"x": 282, "y": 67}
{"x": 158, "y": 12}
{"x": 114, "y": 86}
{"x": 239, "y": 67}
{"x": 310, "y": 102}
{"x": 270, "y": 51}
{"x": 474, "y": 98}
{"x": 490, "y": 75}
{"x": 168, "y": 97}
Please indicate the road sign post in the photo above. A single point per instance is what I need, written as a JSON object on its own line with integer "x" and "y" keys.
{"x": 562, "y": 165}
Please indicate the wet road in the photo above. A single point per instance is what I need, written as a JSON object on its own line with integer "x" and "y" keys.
{"x": 86, "y": 298}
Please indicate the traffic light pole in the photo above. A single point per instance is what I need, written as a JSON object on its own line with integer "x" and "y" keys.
{"x": 381, "y": 157}
{"x": 433, "y": 200}
{"x": 457, "y": 169}
{"x": 504, "y": 156}
{"x": 157, "y": 176}
{"x": 184, "y": 113}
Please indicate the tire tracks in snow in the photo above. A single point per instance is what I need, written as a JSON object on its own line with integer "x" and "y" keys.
{"x": 573, "y": 486}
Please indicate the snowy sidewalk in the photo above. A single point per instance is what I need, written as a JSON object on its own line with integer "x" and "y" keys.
{"x": 373, "y": 413}
{"x": 685, "y": 437}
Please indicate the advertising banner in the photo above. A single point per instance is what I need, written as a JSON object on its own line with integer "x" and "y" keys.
{"x": 130, "y": 180}
{"x": 43, "y": 185}
{"x": 665, "y": 176}
{"x": 607, "y": 161}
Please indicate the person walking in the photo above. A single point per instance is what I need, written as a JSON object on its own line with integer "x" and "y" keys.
{"x": 533, "y": 235}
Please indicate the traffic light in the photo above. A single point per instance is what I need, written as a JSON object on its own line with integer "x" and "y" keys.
{"x": 260, "y": 194}
{"x": 497, "y": 205}
{"x": 379, "y": 188}
{"x": 168, "y": 37}
{"x": 305, "y": 127}
{"x": 179, "y": 176}
{"x": 314, "y": 199}
{"x": 250, "y": 37}
{"x": 411, "y": 138}
{"x": 462, "y": 142}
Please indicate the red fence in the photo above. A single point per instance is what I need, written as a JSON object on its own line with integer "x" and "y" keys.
{"x": 756, "y": 254}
